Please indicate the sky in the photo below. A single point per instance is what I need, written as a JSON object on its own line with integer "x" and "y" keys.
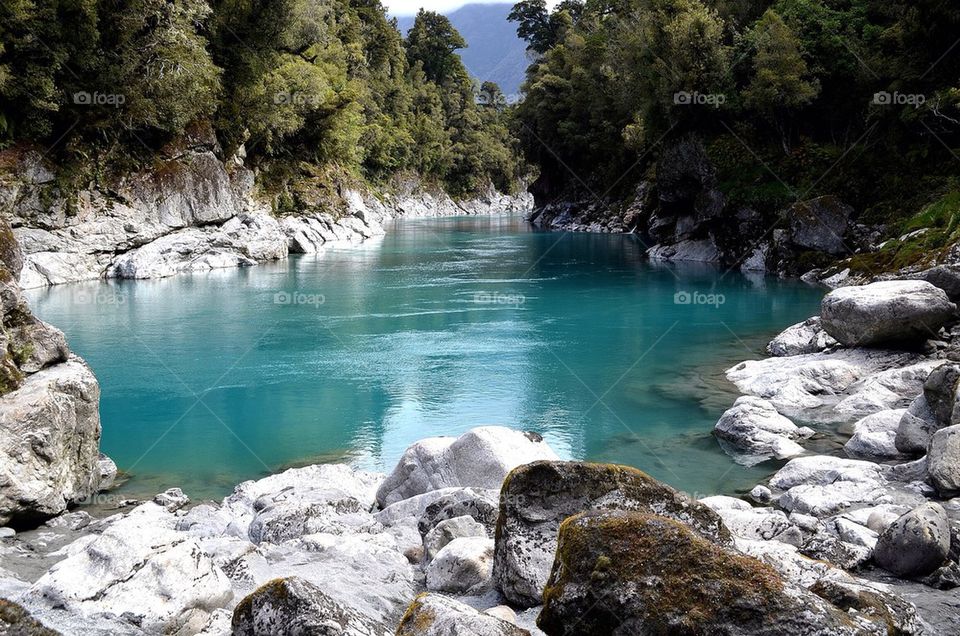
{"x": 410, "y": 7}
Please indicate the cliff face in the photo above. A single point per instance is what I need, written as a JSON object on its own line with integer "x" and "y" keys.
{"x": 192, "y": 212}
{"x": 681, "y": 213}
{"x": 49, "y": 410}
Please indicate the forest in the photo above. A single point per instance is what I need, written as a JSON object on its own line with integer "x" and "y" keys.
{"x": 857, "y": 98}
{"x": 102, "y": 85}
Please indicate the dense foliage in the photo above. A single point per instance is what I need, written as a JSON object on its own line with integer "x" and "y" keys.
{"x": 318, "y": 82}
{"x": 792, "y": 98}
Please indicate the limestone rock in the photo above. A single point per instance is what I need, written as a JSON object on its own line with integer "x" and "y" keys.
{"x": 875, "y": 436}
{"x": 139, "y": 566}
{"x": 752, "y": 431}
{"x": 916, "y": 428}
{"x": 295, "y": 607}
{"x": 537, "y": 497}
{"x": 463, "y": 566}
{"x": 915, "y": 544}
{"x": 449, "y": 530}
{"x": 480, "y": 458}
{"x": 49, "y": 442}
{"x": 802, "y": 338}
{"x": 944, "y": 460}
{"x": 437, "y": 615}
{"x": 886, "y": 311}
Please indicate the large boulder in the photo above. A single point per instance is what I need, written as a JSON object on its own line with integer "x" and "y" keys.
{"x": 619, "y": 573}
{"x": 537, "y": 497}
{"x": 820, "y": 224}
{"x": 885, "y": 312}
{"x": 49, "y": 442}
{"x": 437, "y": 615}
{"x": 916, "y": 544}
{"x": 480, "y": 458}
{"x": 944, "y": 460}
{"x": 753, "y": 431}
{"x": 294, "y": 607}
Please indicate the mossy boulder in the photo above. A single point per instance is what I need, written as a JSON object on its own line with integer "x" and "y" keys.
{"x": 16, "y": 621}
{"x": 295, "y": 607}
{"x": 621, "y": 572}
{"x": 437, "y": 615}
{"x": 11, "y": 255}
{"x": 537, "y": 497}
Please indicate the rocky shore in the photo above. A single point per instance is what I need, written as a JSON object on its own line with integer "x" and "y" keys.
{"x": 193, "y": 212}
{"x": 490, "y": 533}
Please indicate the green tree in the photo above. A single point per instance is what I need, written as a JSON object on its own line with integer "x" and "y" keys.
{"x": 158, "y": 60}
{"x": 433, "y": 43}
{"x": 780, "y": 81}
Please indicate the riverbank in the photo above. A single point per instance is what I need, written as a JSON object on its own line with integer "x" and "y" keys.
{"x": 194, "y": 213}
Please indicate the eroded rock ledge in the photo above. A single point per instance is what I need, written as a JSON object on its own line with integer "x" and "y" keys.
{"x": 193, "y": 213}
{"x": 49, "y": 411}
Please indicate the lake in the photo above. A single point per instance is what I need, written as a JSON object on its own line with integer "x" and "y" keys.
{"x": 443, "y": 324}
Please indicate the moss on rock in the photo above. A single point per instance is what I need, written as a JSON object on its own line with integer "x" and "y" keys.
{"x": 623, "y": 572}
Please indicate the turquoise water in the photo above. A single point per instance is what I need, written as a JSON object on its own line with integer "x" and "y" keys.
{"x": 440, "y": 326}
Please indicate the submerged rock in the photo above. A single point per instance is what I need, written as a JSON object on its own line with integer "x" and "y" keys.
{"x": 537, "y": 497}
{"x": 437, "y": 615}
{"x": 753, "y": 431}
{"x": 887, "y": 311}
{"x": 915, "y": 544}
{"x": 479, "y": 458}
{"x": 295, "y": 607}
{"x": 619, "y": 573}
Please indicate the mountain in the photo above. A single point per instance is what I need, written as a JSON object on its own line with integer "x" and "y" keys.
{"x": 494, "y": 51}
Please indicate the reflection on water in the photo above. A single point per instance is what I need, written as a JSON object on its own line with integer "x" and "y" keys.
{"x": 442, "y": 325}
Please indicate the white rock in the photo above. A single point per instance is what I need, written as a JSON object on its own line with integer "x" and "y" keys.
{"x": 944, "y": 459}
{"x": 702, "y": 251}
{"x": 139, "y": 565}
{"x": 463, "y": 566}
{"x": 438, "y": 615}
{"x": 49, "y": 441}
{"x": 752, "y": 431}
{"x": 885, "y": 311}
{"x": 810, "y": 386}
{"x": 449, "y": 530}
{"x": 723, "y": 502}
{"x": 481, "y": 458}
{"x": 875, "y": 435}
{"x": 802, "y": 338}
{"x": 756, "y": 523}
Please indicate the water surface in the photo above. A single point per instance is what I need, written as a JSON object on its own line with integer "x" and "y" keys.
{"x": 442, "y": 325}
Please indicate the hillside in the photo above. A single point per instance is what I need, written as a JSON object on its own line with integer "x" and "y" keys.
{"x": 495, "y": 52}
